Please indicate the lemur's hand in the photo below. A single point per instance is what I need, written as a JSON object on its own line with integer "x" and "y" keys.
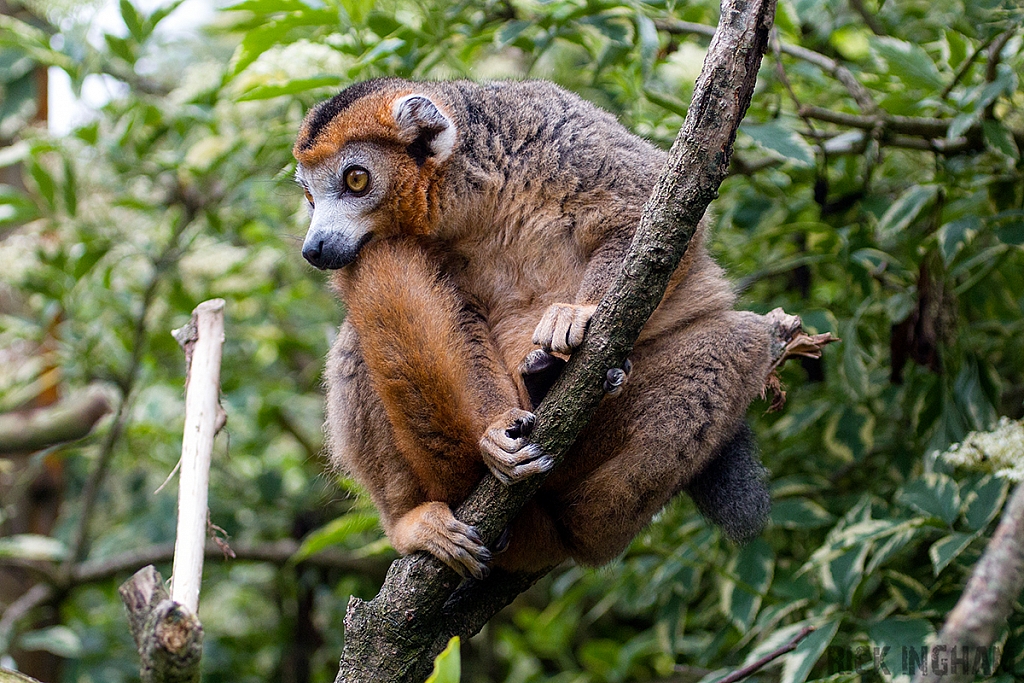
{"x": 562, "y": 326}
{"x": 506, "y": 451}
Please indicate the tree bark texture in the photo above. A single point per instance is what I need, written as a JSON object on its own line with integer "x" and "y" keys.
{"x": 68, "y": 420}
{"x": 395, "y": 636}
{"x": 8, "y": 676}
{"x": 981, "y": 612}
{"x": 167, "y": 634}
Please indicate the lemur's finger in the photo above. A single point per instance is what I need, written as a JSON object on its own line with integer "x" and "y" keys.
{"x": 616, "y": 378}
{"x": 580, "y": 320}
{"x": 562, "y": 327}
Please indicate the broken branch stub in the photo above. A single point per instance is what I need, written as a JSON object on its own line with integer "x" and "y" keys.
{"x": 168, "y": 635}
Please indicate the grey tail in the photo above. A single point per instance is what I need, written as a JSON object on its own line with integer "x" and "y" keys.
{"x": 732, "y": 491}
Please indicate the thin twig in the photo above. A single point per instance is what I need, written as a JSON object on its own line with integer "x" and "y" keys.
{"x": 740, "y": 674}
{"x": 869, "y": 19}
{"x": 964, "y": 67}
{"x": 857, "y": 91}
{"x": 995, "y": 52}
{"x": 34, "y": 597}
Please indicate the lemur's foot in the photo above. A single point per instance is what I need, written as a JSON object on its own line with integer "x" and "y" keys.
{"x": 539, "y": 371}
{"x": 789, "y": 340}
{"x": 432, "y": 527}
{"x": 501, "y": 545}
{"x": 616, "y": 378}
{"x": 506, "y": 451}
{"x": 562, "y": 326}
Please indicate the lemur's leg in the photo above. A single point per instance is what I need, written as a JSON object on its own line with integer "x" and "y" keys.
{"x": 427, "y": 356}
{"x": 685, "y": 401}
{"x": 361, "y": 441}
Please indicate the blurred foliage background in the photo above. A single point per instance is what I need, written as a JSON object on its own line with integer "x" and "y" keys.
{"x": 877, "y": 191}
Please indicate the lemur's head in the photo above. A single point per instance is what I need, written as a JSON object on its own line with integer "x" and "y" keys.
{"x": 367, "y": 158}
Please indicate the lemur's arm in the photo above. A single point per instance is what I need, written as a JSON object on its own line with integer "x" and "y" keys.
{"x": 605, "y": 243}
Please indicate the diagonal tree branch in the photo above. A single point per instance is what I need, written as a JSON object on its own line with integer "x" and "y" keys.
{"x": 394, "y": 636}
{"x": 981, "y": 612}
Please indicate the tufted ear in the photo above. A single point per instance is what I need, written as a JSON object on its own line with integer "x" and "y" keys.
{"x": 431, "y": 133}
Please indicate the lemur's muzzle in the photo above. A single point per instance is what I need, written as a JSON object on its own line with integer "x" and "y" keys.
{"x": 330, "y": 250}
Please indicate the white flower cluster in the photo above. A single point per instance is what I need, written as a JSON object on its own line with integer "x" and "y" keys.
{"x": 1000, "y": 451}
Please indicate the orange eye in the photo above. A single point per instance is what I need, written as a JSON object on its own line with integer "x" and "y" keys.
{"x": 309, "y": 197}
{"x": 357, "y": 180}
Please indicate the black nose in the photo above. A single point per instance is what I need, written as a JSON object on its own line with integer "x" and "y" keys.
{"x": 313, "y": 251}
{"x": 330, "y": 250}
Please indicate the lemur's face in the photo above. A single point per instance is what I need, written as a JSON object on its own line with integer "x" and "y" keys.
{"x": 343, "y": 196}
{"x": 367, "y": 161}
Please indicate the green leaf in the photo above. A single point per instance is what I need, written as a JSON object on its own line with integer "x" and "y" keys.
{"x": 132, "y": 20}
{"x": 1010, "y": 226}
{"x": 647, "y": 35}
{"x": 800, "y": 513}
{"x": 508, "y": 33}
{"x": 120, "y": 47}
{"x": 160, "y": 14}
{"x": 934, "y": 494}
{"x": 448, "y": 665}
{"x": 909, "y": 63}
{"x": 779, "y": 139}
{"x": 905, "y": 211}
{"x": 70, "y": 188}
{"x": 58, "y": 640}
{"x": 953, "y": 235}
{"x": 842, "y": 576}
{"x": 266, "y": 92}
{"x": 957, "y": 44}
{"x": 886, "y": 551}
{"x": 672, "y": 104}
{"x": 33, "y": 547}
{"x": 960, "y": 124}
{"x": 984, "y": 501}
{"x": 853, "y": 366}
{"x": 799, "y": 662}
{"x": 999, "y": 138}
{"x": 268, "y": 6}
{"x": 382, "y": 49}
{"x": 753, "y": 567}
{"x": 44, "y": 182}
{"x": 945, "y": 550}
{"x": 279, "y": 32}
{"x": 335, "y": 532}
{"x": 897, "y": 636}
{"x": 16, "y": 207}
{"x": 357, "y": 10}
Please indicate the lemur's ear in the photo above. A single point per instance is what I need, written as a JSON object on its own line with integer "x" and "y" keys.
{"x": 431, "y": 133}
